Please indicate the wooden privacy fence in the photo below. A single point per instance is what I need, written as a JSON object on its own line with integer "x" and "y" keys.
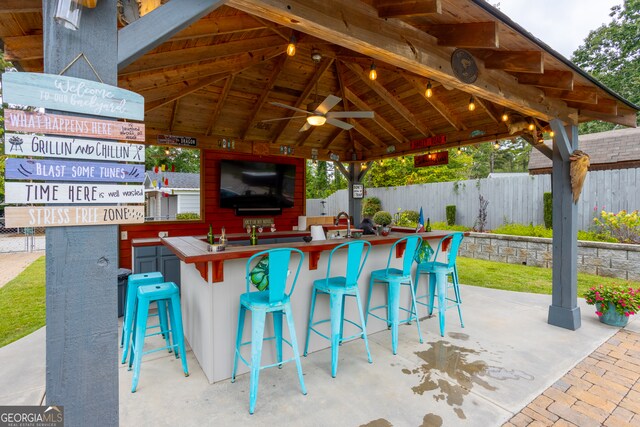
{"x": 516, "y": 199}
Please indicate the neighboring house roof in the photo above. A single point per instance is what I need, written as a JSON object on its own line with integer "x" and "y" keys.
{"x": 180, "y": 180}
{"x": 616, "y": 149}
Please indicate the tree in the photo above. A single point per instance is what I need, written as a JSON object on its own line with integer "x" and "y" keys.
{"x": 611, "y": 54}
{"x": 184, "y": 159}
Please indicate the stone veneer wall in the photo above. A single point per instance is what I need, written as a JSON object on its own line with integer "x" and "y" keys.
{"x": 604, "y": 259}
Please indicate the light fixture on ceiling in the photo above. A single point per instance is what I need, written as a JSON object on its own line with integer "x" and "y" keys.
{"x": 496, "y": 144}
{"x": 505, "y": 117}
{"x": 531, "y": 126}
{"x": 429, "y": 92}
{"x": 291, "y": 47}
{"x": 373, "y": 74}
{"x": 316, "y": 120}
{"x": 316, "y": 56}
{"x": 472, "y": 104}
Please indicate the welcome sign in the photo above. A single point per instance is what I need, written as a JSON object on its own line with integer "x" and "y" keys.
{"x": 71, "y": 94}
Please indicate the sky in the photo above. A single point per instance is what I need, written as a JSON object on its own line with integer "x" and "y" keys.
{"x": 562, "y": 24}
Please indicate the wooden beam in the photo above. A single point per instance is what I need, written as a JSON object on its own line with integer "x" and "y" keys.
{"x": 277, "y": 69}
{"x": 23, "y": 48}
{"x": 489, "y": 109}
{"x": 522, "y": 61}
{"x": 173, "y": 114}
{"x": 307, "y": 136}
{"x": 139, "y": 82}
{"x": 218, "y": 25}
{"x": 624, "y": 117}
{"x": 390, "y": 99}
{"x": 286, "y": 34}
{"x": 551, "y": 79}
{"x": 189, "y": 89}
{"x": 604, "y": 106}
{"x": 585, "y": 94}
{"x": 141, "y": 36}
{"x": 221, "y": 100}
{"x": 324, "y": 65}
{"x": 193, "y": 55}
{"x": 20, "y": 6}
{"x": 345, "y": 102}
{"x": 356, "y": 26}
{"x": 380, "y": 121}
{"x": 336, "y": 133}
{"x": 420, "y": 86}
{"x": 366, "y": 133}
{"x": 466, "y": 35}
{"x": 405, "y": 8}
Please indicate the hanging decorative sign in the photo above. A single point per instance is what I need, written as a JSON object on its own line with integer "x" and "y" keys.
{"x": 186, "y": 141}
{"x": 358, "y": 191}
{"x": 61, "y": 170}
{"x": 71, "y": 94}
{"x": 31, "y": 216}
{"x": 47, "y": 192}
{"x": 55, "y": 124}
{"x": 429, "y": 142}
{"x": 89, "y": 149}
{"x": 432, "y": 159}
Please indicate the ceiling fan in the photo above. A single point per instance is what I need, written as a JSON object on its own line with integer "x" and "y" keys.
{"x": 317, "y": 114}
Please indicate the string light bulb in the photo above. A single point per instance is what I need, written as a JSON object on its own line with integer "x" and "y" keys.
{"x": 373, "y": 74}
{"x": 552, "y": 134}
{"x": 531, "y": 126}
{"x": 505, "y": 117}
{"x": 166, "y": 151}
{"x": 496, "y": 145}
{"x": 472, "y": 104}
{"x": 291, "y": 47}
{"x": 429, "y": 92}
{"x": 459, "y": 151}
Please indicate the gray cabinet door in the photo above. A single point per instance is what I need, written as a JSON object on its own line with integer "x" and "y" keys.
{"x": 170, "y": 268}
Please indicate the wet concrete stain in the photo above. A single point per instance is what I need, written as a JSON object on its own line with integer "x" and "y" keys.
{"x": 380, "y": 422}
{"x": 459, "y": 336}
{"x": 451, "y": 360}
{"x": 431, "y": 420}
{"x": 503, "y": 374}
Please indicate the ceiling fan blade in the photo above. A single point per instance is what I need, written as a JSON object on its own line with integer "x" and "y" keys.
{"x": 339, "y": 123}
{"x": 278, "y": 104}
{"x": 351, "y": 115}
{"x": 305, "y": 127}
{"x": 283, "y": 118}
{"x": 329, "y": 102}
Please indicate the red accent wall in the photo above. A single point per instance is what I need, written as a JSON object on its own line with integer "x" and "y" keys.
{"x": 213, "y": 214}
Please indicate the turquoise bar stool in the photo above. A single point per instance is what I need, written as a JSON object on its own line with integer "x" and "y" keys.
{"x": 394, "y": 278}
{"x": 339, "y": 287}
{"x": 134, "y": 282}
{"x": 439, "y": 273}
{"x": 169, "y": 293}
{"x": 272, "y": 275}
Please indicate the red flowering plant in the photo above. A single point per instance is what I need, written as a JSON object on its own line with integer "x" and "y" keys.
{"x": 625, "y": 299}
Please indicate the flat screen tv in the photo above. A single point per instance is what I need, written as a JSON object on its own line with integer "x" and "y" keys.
{"x": 256, "y": 185}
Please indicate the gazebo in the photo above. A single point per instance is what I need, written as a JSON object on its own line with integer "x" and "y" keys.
{"x": 428, "y": 75}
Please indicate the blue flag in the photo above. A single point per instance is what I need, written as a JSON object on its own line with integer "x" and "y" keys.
{"x": 420, "y": 222}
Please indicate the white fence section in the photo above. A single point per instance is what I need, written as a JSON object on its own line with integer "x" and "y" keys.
{"x": 516, "y": 199}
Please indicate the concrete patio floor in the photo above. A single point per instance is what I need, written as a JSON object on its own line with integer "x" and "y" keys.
{"x": 480, "y": 375}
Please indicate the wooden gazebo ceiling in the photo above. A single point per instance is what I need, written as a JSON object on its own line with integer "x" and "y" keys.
{"x": 216, "y": 78}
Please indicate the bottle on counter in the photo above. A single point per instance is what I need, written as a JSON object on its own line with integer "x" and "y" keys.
{"x": 223, "y": 237}
{"x": 254, "y": 236}
{"x": 210, "y": 236}
{"x": 428, "y": 228}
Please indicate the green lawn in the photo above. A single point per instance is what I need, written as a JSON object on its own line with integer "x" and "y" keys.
{"x": 520, "y": 278}
{"x": 22, "y": 303}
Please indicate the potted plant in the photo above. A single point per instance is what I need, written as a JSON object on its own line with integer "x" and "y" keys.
{"x": 382, "y": 219}
{"x": 614, "y": 303}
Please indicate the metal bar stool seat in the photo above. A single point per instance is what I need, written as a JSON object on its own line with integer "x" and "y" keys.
{"x": 146, "y": 294}
{"x": 394, "y": 278}
{"x": 274, "y": 300}
{"x": 339, "y": 287}
{"x": 133, "y": 283}
{"x": 439, "y": 273}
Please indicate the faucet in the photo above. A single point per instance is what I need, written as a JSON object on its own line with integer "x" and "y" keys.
{"x": 340, "y": 215}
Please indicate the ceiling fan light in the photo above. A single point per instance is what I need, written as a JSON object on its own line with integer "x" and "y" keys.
{"x": 316, "y": 120}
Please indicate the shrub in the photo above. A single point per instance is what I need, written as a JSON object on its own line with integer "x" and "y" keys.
{"x": 188, "y": 215}
{"x": 481, "y": 220}
{"x": 548, "y": 210}
{"x": 407, "y": 219}
{"x": 382, "y": 218}
{"x": 444, "y": 226}
{"x": 524, "y": 230}
{"x": 451, "y": 214}
{"x": 594, "y": 236}
{"x": 623, "y": 226}
{"x": 371, "y": 205}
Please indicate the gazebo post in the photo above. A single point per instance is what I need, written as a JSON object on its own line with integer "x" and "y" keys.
{"x": 82, "y": 262}
{"x": 355, "y": 174}
{"x": 564, "y": 310}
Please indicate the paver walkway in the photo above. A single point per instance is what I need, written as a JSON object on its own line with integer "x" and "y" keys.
{"x": 602, "y": 390}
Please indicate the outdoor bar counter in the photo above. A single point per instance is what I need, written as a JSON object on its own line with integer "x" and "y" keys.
{"x": 212, "y": 283}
